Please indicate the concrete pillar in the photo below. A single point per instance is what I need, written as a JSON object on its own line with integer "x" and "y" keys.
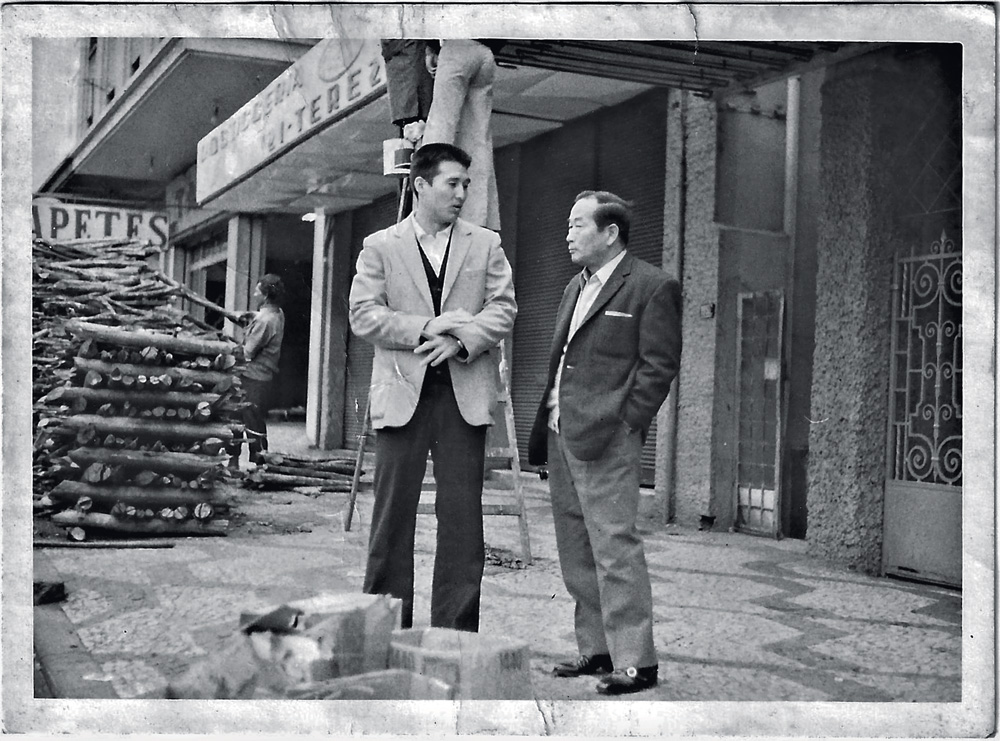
{"x": 328, "y": 330}
{"x": 700, "y": 281}
{"x": 855, "y": 246}
{"x": 673, "y": 235}
{"x": 245, "y": 256}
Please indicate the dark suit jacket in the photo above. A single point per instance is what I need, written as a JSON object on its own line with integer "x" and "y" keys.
{"x": 619, "y": 364}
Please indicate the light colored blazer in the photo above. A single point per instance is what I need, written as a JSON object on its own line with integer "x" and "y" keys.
{"x": 390, "y": 302}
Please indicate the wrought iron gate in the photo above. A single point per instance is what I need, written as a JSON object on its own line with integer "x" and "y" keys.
{"x": 924, "y": 446}
{"x": 760, "y": 319}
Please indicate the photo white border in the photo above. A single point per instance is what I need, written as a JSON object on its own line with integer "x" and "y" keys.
{"x": 972, "y": 25}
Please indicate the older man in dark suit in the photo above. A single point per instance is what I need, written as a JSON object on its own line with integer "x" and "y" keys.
{"x": 615, "y": 352}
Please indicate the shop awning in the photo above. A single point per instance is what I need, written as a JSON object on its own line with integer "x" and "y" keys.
{"x": 331, "y": 156}
{"x": 332, "y": 159}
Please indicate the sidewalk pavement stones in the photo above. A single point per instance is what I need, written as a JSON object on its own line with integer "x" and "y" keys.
{"x": 736, "y": 617}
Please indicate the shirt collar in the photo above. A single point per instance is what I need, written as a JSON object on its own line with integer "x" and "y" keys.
{"x": 422, "y": 233}
{"x": 604, "y": 273}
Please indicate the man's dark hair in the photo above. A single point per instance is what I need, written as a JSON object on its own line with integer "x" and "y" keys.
{"x": 427, "y": 161}
{"x": 272, "y": 287}
{"x": 611, "y": 209}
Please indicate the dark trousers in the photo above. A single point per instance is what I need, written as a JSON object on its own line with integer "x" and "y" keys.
{"x": 258, "y": 394}
{"x": 458, "y": 453}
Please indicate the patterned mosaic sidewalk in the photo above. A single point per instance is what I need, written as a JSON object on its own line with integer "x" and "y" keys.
{"x": 737, "y": 617}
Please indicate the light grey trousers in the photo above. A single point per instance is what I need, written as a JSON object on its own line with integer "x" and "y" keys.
{"x": 595, "y": 505}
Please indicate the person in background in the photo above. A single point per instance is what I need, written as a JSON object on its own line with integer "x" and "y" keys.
{"x": 615, "y": 352}
{"x": 434, "y": 295}
{"x": 261, "y": 349}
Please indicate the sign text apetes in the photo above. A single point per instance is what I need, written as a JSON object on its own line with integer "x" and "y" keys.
{"x": 327, "y": 82}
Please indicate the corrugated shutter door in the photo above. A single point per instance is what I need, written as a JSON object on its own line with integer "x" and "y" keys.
{"x": 555, "y": 167}
{"x": 621, "y": 150}
{"x": 631, "y": 160}
{"x": 367, "y": 220}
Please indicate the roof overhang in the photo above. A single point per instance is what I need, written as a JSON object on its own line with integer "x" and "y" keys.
{"x": 540, "y": 86}
{"x": 148, "y": 136}
{"x": 707, "y": 68}
{"x": 338, "y": 165}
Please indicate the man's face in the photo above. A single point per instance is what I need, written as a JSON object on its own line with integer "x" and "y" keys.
{"x": 589, "y": 246}
{"x": 258, "y": 295}
{"x": 442, "y": 198}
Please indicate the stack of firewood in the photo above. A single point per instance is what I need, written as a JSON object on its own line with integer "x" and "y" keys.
{"x": 284, "y": 471}
{"x": 135, "y": 400}
{"x": 143, "y": 430}
{"x": 105, "y": 282}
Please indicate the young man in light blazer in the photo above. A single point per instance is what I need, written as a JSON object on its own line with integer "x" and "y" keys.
{"x": 434, "y": 295}
{"x": 615, "y": 351}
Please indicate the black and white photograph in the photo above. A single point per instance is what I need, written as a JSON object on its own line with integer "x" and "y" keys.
{"x": 425, "y": 369}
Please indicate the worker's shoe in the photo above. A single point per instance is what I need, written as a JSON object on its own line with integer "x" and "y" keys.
{"x": 584, "y": 666}
{"x": 626, "y": 681}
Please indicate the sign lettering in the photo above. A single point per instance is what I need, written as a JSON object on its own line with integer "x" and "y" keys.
{"x": 56, "y": 221}
{"x": 325, "y": 84}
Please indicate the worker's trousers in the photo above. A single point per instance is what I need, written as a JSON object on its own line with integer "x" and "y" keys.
{"x": 460, "y": 115}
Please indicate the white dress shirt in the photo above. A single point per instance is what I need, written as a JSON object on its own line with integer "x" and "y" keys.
{"x": 433, "y": 245}
{"x": 588, "y": 294}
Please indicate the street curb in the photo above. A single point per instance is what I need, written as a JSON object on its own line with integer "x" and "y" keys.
{"x": 68, "y": 669}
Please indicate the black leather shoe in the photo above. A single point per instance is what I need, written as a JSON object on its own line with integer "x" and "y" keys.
{"x": 584, "y": 666}
{"x": 626, "y": 681}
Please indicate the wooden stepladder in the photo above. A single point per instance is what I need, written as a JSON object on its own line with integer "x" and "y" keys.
{"x": 507, "y": 452}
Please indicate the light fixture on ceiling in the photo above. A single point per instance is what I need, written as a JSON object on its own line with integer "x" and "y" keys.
{"x": 311, "y": 216}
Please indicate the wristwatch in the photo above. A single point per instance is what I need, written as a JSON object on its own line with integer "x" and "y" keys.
{"x": 461, "y": 346}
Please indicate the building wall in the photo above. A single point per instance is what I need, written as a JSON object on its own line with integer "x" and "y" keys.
{"x": 890, "y": 182}
{"x": 801, "y": 311}
{"x": 700, "y": 288}
{"x": 851, "y": 357}
{"x": 55, "y": 73}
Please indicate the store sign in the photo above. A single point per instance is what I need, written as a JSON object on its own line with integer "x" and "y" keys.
{"x": 56, "y": 221}
{"x": 329, "y": 81}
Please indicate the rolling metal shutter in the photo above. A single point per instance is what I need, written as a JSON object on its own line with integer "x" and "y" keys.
{"x": 367, "y": 220}
{"x": 621, "y": 150}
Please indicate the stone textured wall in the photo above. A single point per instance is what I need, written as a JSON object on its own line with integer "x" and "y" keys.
{"x": 851, "y": 358}
{"x": 673, "y": 193}
{"x": 700, "y": 283}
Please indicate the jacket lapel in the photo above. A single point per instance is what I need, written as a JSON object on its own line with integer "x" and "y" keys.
{"x": 616, "y": 281}
{"x": 461, "y": 240}
{"x": 407, "y": 249}
{"x": 563, "y": 317}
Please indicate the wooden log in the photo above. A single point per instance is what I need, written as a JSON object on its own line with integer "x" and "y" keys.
{"x": 209, "y": 378}
{"x": 143, "y": 338}
{"x": 196, "y": 298}
{"x": 129, "y": 426}
{"x": 97, "y": 473}
{"x": 336, "y": 465}
{"x": 291, "y": 459}
{"x": 132, "y": 543}
{"x": 303, "y": 471}
{"x": 102, "y": 521}
{"x": 67, "y": 493}
{"x": 93, "y": 379}
{"x": 190, "y": 464}
{"x": 279, "y": 479}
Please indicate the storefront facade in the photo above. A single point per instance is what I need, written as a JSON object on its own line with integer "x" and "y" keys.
{"x": 748, "y": 194}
